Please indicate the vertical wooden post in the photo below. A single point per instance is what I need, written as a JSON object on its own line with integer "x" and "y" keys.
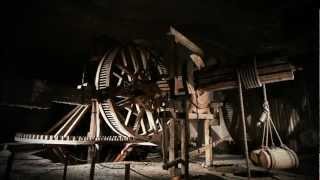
{"x": 184, "y": 143}
{"x": 9, "y": 166}
{"x": 127, "y": 172}
{"x": 207, "y": 142}
{"x": 164, "y": 140}
{"x": 94, "y": 130}
{"x": 66, "y": 162}
{"x": 172, "y": 146}
{"x": 93, "y": 162}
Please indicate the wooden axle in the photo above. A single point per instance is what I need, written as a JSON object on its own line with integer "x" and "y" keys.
{"x": 216, "y": 79}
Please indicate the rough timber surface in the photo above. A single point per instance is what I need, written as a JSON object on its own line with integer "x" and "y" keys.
{"x": 28, "y": 166}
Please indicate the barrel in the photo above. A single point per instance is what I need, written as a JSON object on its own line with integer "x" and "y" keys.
{"x": 278, "y": 158}
{"x": 254, "y": 156}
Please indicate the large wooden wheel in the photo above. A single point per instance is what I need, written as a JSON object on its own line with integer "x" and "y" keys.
{"x": 126, "y": 77}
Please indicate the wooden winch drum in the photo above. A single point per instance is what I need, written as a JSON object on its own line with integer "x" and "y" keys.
{"x": 278, "y": 158}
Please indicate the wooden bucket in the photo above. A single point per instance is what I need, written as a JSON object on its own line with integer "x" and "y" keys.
{"x": 278, "y": 158}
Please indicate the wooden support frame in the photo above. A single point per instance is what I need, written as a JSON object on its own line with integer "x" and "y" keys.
{"x": 184, "y": 123}
{"x": 93, "y": 162}
{"x": 172, "y": 146}
{"x": 9, "y": 166}
{"x": 65, "y": 169}
{"x": 208, "y": 143}
{"x": 127, "y": 171}
{"x": 94, "y": 130}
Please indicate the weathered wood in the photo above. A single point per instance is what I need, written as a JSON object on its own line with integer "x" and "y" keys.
{"x": 184, "y": 123}
{"x": 70, "y": 122}
{"x": 216, "y": 79}
{"x": 197, "y": 60}
{"x": 127, "y": 171}
{"x": 199, "y": 151}
{"x": 200, "y": 116}
{"x": 184, "y": 41}
{"x": 164, "y": 140}
{"x": 124, "y": 153}
{"x": 170, "y": 164}
{"x": 9, "y": 166}
{"x": 65, "y": 169}
{"x": 76, "y": 121}
{"x": 63, "y": 119}
{"x": 207, "y": 142}
{"x": 94, "y": 130}
{"x": 172, "y": 146}
{"x": 93, "y": 164}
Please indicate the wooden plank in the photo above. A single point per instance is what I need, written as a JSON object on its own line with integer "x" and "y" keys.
{"x": 76, "y": 121}
{"x": 183, "y": 40}
{"x": 200, "y": 116}
{"x": 63, "y": 120}
{"x": 70, "y": 120}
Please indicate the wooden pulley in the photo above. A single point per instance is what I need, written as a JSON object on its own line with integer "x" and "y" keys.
{"x": 278, "y": 158}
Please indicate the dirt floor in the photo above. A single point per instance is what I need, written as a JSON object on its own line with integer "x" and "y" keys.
{"x": 28, "y": 166}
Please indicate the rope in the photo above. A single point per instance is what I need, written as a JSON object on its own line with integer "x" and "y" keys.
{"x": 249, "y": 75}
{"x": 267, "y": 134}
{"x": 131, "y": 169}
{"x": 263, "y": 135}
{"x": 279, "y": 138}
{"x": 244, "y": 125}
{"x": 268, "y": 126}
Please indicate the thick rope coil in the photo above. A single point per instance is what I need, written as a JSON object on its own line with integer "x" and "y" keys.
{"x": 249, "y": 75}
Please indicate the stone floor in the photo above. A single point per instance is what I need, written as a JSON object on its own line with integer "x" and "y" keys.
{"x": 28, "y": 166}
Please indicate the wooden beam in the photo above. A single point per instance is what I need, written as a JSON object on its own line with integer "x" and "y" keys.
{"x": 216, "y": 79}
{"x": 200, "y": 116}
{"x": 197, "y": 61}
{"x": 183, "y": 40}
{"x": 63, "y": 120}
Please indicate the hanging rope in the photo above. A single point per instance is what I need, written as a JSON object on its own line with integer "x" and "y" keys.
{"x": 268, "y": 126}
{"x": 244, "y": 125}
